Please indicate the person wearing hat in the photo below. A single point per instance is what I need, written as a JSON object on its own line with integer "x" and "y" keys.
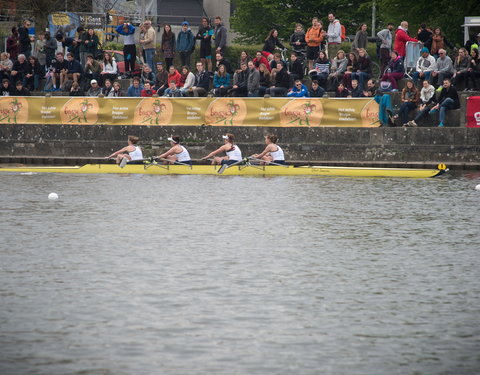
{"x": 425, "y": 66}
{"x": 185, "y": 44}
{"x": 94, "y": 89}
{"x": 177, "y": 154}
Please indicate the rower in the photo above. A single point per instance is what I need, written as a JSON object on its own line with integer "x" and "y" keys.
{"x": 232, "y": 151}
{"x": 272, "y": 153}
{"x": 132, "y": 152}
{"x": 177, "y": 154}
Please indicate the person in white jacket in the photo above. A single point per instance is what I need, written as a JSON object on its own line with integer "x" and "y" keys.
{"x": 426, "y": 64}
{"x": 189, "y": 80}
{"x": 334, "y": 36}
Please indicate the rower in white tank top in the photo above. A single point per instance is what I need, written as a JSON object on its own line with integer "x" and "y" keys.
{"x": 131, "y": 152}
{"x": 136, "y": 154}
{"x": 229, "y": 148}
{"x": 177, "y": 153}
{"x": 183, "y": 155}
{"x": 277, "y": 155}
{"x": 272, "y": 153}
{"x": 234, "y": 153}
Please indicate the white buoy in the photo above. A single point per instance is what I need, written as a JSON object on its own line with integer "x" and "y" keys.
{"x": 477, "y": 187}
{"x": 53, "y": 196}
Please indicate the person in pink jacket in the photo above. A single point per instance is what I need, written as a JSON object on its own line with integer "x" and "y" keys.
{"x": 401, "y": 38}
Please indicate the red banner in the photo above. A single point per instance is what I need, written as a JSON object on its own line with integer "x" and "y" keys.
{"x": 473, "y": 112}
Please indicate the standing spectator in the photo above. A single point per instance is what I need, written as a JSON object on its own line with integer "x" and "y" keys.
{"x": 299, "y": 90}
{"x": 425, "y": 66}
{"x": 352, "y": 66}
{"x": 168, "y": 45}
{"x": 6, "y": 89}
{"x": 395, "y": 70}
{"x": 220, "y": 36}
{"x": 334, "y": 35}
{"x": 50, "y": 47}
{"x": 443, "y": 69}
{"x": 297, "y": 40}
{"x": 271, "y": 41}
{"x": 282, "y": 82}
{"x": 321, "y": 70}
{"x": 427, "y": 97}
{"x": 385, "y": 37}
{"x": 410, "y": 97}
{"x": 202, "y": 81}
{"x": 474, "y": 70}
{"x": 221, "y": 81}
{"x": 6, "y": 66}
{"x": 253, "y": 80}
{"x": 39, "y": 50}
{"x": 316, "y": 91}
{"x": 92, "y": 69}
{"x": 129, "y": 47}
{"x": 205, "y": 34}
{"x": 364, "y": 70}
{"x": 25, "y": 44}
{"x": 76, "y": 90}
{"x": 361, "y": 38}
{"x": 185, "y": 43}
{"x": 117, "y": 90}
{"x": 424, "y": 35}
{"x": 74, "y": 68}
{"x": 401, "y": 39}
{"x": 109, "y": 70}
{"x": 313, "y": 37}
{"x": 12, "y": 44}
{"x": 147, "y": 91}
{"x": 33, "y": 75}
{"x": 240, "y": 80}
{"x": 338, "y": 68}
{"x": 161, "y": 79}
{"x": 81, "y": 47}
{"x": 438, "y": 42}
{"x": 94, "y": 89}
{"x": 265, "y": 80}
{"x": 20, "y": 90}
{"x": 461, "y": 66}
{"x": 296, "y": 67}
{"x": 147, "y": 75}
{"x": 19, "y": 69}
{"x": 472, "y": 43}
{"x": 447, "y": 100}
{"x": 187, "y": 80}
{"x": 90, "y": 40}
{"x": 148, "y": 43}
{"x": 135, "y": 89}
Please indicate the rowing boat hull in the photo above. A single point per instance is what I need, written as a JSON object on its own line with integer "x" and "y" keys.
{"x": 249, "y": 170}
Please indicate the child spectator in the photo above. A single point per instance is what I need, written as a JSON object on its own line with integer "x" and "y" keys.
{"x": 168, "y": 46}
{"x": 316, "y": 91}
{"x": 299, "y": 90}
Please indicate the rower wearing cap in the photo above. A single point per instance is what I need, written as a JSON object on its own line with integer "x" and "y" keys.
{"x": 271, "y": 153}
{"x": 232, "y": 151}
{"x": 132, "y": 152}
{"x": 177, "y": 154}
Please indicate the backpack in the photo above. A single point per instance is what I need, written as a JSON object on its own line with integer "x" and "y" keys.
{"x": 343, "y": 33}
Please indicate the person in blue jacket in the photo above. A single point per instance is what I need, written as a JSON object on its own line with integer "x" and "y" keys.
{"x": 299, "y": 90}
{"x": 185, "y": 44}
{"x": 135, "y": 90}
{"x": 129, "y": 47}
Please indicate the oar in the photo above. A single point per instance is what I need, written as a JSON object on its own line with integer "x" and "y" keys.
{"x": 268, "y": 162}
{"x": 177, "y": 162}
{"x": 225, "y": 166}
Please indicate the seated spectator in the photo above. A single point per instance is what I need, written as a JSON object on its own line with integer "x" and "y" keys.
{"x": 260, "y": 59}
{"x": 277, "y": 59}
{"x": 395, "y": 70}
{"x": 282, "y": 82}
{"x": 135, "y": 90}
{"x": 297, "y": 40}
{"x": 186, "y": 81}
{"x": 253, "y": 80}
{"x": 410, "y": 97}
{"x": 6, "y": 66}
{"x": 337, "y": 70}
{"x": 94, "y": 89}
{"x": 473, "y": 75}
{"x": 173, "y": 91}
{"x": 220, "y": 60}
{"x": 221, "y": 82}
{"x": 447, "y": 100}
{"x": 107, "y": 87}
{"x": 265, "y": 79}
{"x": 356, "y": 91}
{"x": 202, "y": 81}
{"x": 244, "y": 58}
{"x": 321, "y": 69}
{"x": 316, "y": 91}
{"x": 59, "y": 70}
{"x": 296, "y": 66}
{"x": 364, "y": 70}
{"x": 6, "y": 89}
{"x": 20, "y": 90}
{"x": 161, "y": 79}
{"x": 147, "y": 91}
{"x": 19, "y": 69}
{"x": 74, "y": 69}
{"x": 472, "y": 43}
{"x": 76, "y": 90}
{"x": 271, "y": 41}
{"x": 147, "y": 75}
{"x": 299, "y": 90}
{"x": 174, "y": 75}
{"x": 342, "y": 91}
{"x": 352, "y": 66}
{"x": 239, "y": 87}
{"x": 109, "y": 70}
{"x": 33, "y": 75}
{"x": 461, "y": 66}
{"x": 438, "y": 41}
{"x": 92, "y": 69}
{"x": 425, "y": 66}
{"x": 427, "y": 97}
{"x": 443, "y": 69}
{"x": 371, "y": 89}
{"x": 117, "y": 90}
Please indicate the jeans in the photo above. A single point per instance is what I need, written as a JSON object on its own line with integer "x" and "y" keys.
{"x": 416, "y": 76}
{"x": 149, "y": 55}
{"x": 27, "y": 82}
{"x": 405, "y": 108}
{"x": 277, "y": 91}
{"x": 185, "y": 58}
{"x": 447, "y": 104}
{"x": 361, "y": 77}
{"x": 393, "y": 78}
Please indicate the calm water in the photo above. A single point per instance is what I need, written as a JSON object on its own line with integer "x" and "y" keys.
{"x": 233, "y": 275}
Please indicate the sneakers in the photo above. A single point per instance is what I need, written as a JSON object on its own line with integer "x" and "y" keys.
{"x": 441, "y": 125}
{"x": 413, "y": 124}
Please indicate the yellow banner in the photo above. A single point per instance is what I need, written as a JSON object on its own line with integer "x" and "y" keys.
{"x": 286, "y": 112}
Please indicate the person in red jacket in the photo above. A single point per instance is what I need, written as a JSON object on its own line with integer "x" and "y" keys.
{"x": 401, "y": 38}
{"x": 260, "y": 59}
{"x": 174, "y": 75}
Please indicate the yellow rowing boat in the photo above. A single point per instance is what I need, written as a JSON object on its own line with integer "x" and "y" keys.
{"x": 236, "y": 170}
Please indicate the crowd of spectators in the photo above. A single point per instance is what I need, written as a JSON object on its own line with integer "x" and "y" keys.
{"x": 78, "y": 65}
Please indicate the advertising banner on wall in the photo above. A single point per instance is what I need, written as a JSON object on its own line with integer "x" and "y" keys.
{"x": 66, "y": 23}
{"x": 285, "y": 112}
{"x": 473, "y": 112}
